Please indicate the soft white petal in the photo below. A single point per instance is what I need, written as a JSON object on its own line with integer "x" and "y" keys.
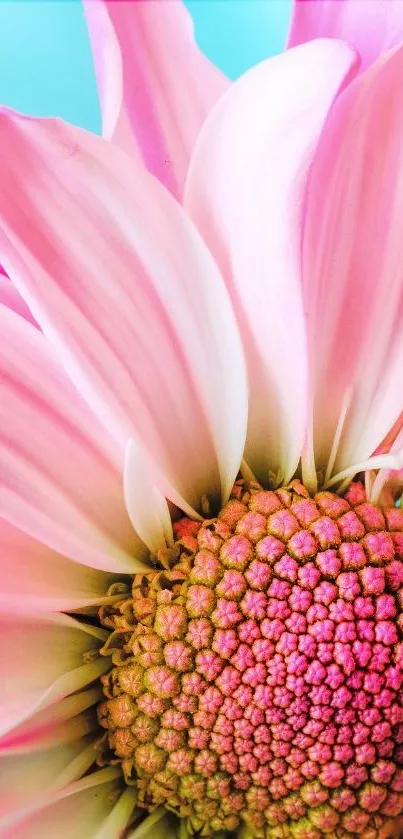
{"x": 147, "y": 507}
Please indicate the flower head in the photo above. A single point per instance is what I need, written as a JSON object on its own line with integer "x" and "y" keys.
{"x": 202, "y": 445}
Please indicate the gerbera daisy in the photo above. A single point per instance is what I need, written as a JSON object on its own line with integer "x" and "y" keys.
{"x": 201, "y": 433}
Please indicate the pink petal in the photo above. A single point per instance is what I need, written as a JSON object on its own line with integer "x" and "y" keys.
{"x": 10, "y": 297}
{"x": 371, "y": 27}
{"x": 353, "y": 269}
{"x": 79, "y": 814}
{"x": 37, "y": 578}
{"x": 25, "y": 779}
{"x": 42, "y": 660}
{"x": 68, "y": 719}
{"x": 60, "y": 484}
{"x": 152, "y": 76}
{"x": 387, "y": 484}
{"x": 245, "y": 190}
{"x": 123, "y": 285}
{"x": 391, "y": 437}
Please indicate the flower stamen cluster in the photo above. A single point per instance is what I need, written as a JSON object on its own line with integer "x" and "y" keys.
{"x": 257, "y": 679}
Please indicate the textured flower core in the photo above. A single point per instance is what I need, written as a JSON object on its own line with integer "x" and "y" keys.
{"x": 258, "y": 676}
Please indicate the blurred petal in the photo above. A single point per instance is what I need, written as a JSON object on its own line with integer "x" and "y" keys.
{"x": 10, "y": 297}
{"x": 60, "y": 483}
{"x": 353, "y": 269}
{"x": 81, "y": 812}
{"x": 37, "y": 578}
{"x": 245, "y": 190}
{"x": 62, "y": 722}
{"x": 391, "y": 436}
{"x": 153, "y": 78}
{"x": 158, "y": 825}
{"x": 123, "y": 285}
{"x": 108, "y": 64}
{"x": 387, "y": 485}
{"x": 371, "y": 27}
{"x": 24, "y": 779}
{"x": 147, "y": 508}
{"x": 42, "y": 659}
{"x": 120, "y": 816}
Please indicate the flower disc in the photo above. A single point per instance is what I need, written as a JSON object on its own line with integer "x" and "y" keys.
{"x": 257, "y": 679}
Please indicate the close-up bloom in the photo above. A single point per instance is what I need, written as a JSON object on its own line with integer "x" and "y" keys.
{"x": 201, "y": 598}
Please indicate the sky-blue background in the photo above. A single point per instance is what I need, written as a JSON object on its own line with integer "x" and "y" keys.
{"x": 46, "y": 65}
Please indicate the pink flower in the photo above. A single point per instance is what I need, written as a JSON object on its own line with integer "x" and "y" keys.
{"x": 254, "y": 326}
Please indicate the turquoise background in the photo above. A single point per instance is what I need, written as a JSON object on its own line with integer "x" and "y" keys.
{"x": 46, "y": 65}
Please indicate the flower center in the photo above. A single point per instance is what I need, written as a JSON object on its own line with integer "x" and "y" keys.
{"x": 256, "y": 677}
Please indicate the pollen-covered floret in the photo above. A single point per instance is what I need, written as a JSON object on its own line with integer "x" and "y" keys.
{"x": 259, "y": 679}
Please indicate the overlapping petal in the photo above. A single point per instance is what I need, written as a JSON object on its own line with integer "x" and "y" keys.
{"x": 43, "y": 659}
{"x": 386, "y": 486}
{"x": 371, "y": 27}
{"x": 156, "y": 87}
{"x": 147, "y": 507}
{"x": 120, "y": 815}
{"x": 10, "y": 297}
{"x": 65, "y": 721}
{"x": 36, "y": 578}
{"x": 60, "y": 484}
{"x": 26, "y": 779}
{"x": 123, "y": 286}
{"x": 245, "y": 191}
{"x": 158, "y": 825}
{"x": 353, "y": 269}
{"x": 81, "y": 810}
